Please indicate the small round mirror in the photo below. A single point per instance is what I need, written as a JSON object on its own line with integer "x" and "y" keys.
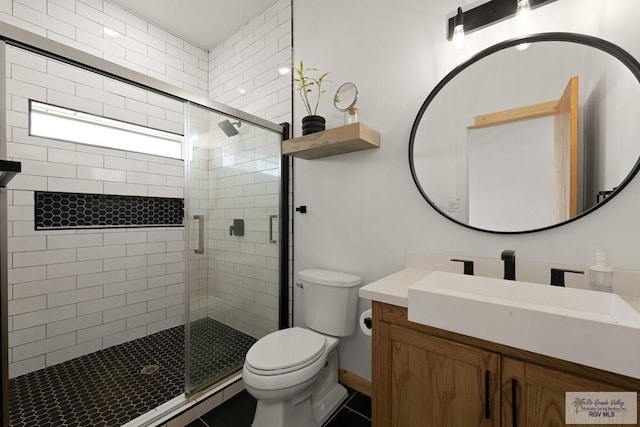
{"x": 346, "y": 96}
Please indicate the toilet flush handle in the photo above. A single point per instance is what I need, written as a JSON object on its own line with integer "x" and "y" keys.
{"x": 300, "y": 285}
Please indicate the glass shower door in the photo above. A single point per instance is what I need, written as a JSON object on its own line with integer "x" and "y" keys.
{"x": 233, "y": 263}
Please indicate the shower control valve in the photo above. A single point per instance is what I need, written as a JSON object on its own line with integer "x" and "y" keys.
{"x": 237, "y": 229}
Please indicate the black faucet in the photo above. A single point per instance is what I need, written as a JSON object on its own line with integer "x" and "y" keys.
{"x": 468, "y": 265}
{"x": 509, "y": 258}
{"x": 557, "y": 276}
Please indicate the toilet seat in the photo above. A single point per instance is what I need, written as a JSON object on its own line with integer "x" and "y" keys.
{"x": 285, "y": 351}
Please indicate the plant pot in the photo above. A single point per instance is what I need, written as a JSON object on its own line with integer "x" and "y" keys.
{"x": 312, "y": 124}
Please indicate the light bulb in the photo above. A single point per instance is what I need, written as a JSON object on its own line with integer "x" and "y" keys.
{"x": 458, "y": 36}
{"x": 458, "y": 29}
{"x": 523, "y": 11}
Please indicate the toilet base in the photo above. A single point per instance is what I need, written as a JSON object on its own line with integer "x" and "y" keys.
{"x": 274, "y": 413}
{"x": 323, "y": 409}
{"x": 306, "y": 413}
{"x": 328, "y": 394}
{"x": 310, "y": 408}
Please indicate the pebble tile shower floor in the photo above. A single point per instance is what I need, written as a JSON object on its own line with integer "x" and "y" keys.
{"x": 108, "y": 388}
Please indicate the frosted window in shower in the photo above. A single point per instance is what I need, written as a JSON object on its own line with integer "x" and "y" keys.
{"x": 50, "y": 121}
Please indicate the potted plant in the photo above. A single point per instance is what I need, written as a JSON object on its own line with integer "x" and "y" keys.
{"x": 306, "y": 85}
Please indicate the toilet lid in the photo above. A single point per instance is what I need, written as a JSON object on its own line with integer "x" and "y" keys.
{"x": 286, "y": 349}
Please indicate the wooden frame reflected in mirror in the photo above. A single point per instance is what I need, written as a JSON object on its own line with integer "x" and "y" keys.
{"x": 565, "y": 112}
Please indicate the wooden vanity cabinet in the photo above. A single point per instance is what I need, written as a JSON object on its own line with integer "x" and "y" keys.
{"x": 428, "y": 377}
{"x": 421, "y": 380}
{"x": 540, "y": 393}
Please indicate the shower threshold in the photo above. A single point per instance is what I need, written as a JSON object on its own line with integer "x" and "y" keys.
{"x": 115, "y": 386}
{"x": 177, "y": 411}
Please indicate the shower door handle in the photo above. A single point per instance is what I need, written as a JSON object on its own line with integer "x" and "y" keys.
{"x": 271, "y": 218}
{"x": 200, "y": 219}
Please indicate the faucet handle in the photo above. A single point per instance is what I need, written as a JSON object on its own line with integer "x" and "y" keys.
{"x": 508, "y": 255}
{"x": 509, "y": 258}
{"x": 468, "y": 265}
{"x": 557, "y": 276}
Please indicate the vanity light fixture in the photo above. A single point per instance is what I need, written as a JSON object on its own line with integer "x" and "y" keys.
{"x": 490, "y": 13}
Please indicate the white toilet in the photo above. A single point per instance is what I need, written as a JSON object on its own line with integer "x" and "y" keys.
{"x": 293, "y": 373}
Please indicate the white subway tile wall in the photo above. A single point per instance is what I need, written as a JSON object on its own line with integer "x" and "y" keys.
{"x": 107, "y": 31}
{"x": 200, "y": 121}
{"x": 246, "y": 71}
{"x": 250, "y": 70}
{"x": 244, "y": 270}
{"x": 235, "y": 280}
{"x": 73, "y": 292}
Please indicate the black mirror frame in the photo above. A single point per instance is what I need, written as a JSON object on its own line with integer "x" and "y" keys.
{"x": 617, "y": 52}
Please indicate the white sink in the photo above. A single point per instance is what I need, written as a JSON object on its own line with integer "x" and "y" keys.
{"x": 591, "y": 328}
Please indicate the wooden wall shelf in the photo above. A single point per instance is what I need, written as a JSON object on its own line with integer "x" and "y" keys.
{"x": 343, "y": 139}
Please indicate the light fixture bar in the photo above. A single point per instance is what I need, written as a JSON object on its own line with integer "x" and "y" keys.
{"x": 489, "y": 13}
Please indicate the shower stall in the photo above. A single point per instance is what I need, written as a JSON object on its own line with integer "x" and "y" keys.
{"x": 144, "y": 245}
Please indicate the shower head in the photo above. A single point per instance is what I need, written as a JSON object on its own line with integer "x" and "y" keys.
{"x": 230, "y": 128}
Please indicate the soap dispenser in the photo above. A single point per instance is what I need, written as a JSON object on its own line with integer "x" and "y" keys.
{"x": 601, "y": 275}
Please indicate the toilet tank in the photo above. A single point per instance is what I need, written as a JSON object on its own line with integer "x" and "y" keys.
{"x": 329, "y": 301}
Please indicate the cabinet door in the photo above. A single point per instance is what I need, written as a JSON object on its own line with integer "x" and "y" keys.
{"x": 540, "y": 394}
{"x": 435, "y": 382}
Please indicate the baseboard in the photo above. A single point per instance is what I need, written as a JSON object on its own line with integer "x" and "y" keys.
{"x": 354, "y": 381}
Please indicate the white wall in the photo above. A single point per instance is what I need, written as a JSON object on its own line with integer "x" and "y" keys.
{"x": 513, "y": 160}
{"x": 365, "y": 213}
{"x": 608, "y": 88}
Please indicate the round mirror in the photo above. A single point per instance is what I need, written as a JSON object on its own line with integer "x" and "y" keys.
{"x": 518, "y": 141}
{"x": 346, "y": 96}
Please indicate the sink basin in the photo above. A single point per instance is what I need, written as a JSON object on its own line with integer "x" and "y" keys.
{"x": 591, "y": 328}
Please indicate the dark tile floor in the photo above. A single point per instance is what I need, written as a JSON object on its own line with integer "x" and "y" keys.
{"x": 110, "y": 387}
{"x": 240, "y": 409}
{"x": 356, "y": 412}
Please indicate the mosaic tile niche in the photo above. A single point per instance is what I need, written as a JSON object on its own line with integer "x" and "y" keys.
{"x": 57, "y": 210}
